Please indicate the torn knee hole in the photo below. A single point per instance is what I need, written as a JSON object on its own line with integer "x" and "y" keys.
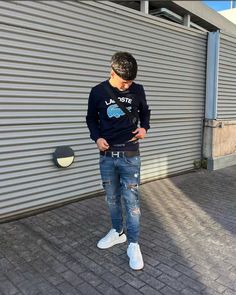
{"x": 135, "y": 211}
{"x": 133, "y": 187}
{"x": 106, "y": 183}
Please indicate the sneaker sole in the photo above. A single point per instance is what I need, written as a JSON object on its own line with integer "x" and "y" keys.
{"x": 133, "y": 268}
{"x": 120, "y": 241}
{"x": 140, "y": 268}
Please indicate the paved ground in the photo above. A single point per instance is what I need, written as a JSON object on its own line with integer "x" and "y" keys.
{"x": 188, "y": 241}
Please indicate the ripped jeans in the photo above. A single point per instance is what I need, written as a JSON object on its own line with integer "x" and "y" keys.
{"x": 121, "y": 178}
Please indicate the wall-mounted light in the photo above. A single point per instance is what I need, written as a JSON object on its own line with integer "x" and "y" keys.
{"x": 63, "y": 156}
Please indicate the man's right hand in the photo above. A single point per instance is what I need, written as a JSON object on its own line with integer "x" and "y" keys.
{"x": 102, "y": 144}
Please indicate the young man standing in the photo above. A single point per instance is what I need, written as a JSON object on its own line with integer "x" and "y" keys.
{"x": 116, "y": 136}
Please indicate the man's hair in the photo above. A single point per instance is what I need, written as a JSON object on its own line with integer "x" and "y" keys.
{"x": 124, "y": 65}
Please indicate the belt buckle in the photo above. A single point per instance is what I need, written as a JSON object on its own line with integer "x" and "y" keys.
{"x": 115, "y": 154}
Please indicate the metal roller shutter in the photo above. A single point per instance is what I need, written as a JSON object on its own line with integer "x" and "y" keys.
{"x": 226, "y": 107}
{"x": 51, "y": 54}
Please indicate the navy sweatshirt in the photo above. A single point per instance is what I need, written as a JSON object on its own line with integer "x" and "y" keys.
{"x": 105, "y": 119}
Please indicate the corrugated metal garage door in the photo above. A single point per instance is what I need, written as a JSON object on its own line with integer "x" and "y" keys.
{"x": 227, "y": 77}
{"x": 51, "y": 54}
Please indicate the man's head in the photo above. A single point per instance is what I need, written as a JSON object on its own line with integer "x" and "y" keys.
{"x": 124, "y": 70}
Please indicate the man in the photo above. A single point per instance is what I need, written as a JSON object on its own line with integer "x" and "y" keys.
{"x": 117, "y": 138}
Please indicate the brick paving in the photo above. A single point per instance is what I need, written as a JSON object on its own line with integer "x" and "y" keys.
{"x": 188, "y": 240}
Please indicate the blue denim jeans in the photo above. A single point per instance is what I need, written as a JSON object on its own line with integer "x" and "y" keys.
{"x": 121, "y": 178}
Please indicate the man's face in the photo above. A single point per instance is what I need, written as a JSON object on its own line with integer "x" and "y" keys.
{"x": 120, "y": 83}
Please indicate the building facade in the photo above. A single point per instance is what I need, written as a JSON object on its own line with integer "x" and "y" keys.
{"x": 53, "y": 52}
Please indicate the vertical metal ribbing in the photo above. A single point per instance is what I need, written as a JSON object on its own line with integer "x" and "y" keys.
{"x": 144, "y": 6}
{"x": 187, "y": 20}
{"x": 212, "y": 75}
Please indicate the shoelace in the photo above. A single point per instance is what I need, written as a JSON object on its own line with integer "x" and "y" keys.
{"x": 109, "y": 234}
{"x": 135, "y": 249}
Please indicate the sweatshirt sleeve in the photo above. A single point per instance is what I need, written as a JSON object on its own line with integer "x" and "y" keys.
{"x": 92, "y": 118}
{"x": 144, "y": 112}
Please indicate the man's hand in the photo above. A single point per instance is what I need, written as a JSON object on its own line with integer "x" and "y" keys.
{"x": 140, "y": 133}
{"x": 102, "y": 144}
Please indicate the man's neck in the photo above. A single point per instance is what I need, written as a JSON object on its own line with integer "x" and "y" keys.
{"x": 111, "y": 82}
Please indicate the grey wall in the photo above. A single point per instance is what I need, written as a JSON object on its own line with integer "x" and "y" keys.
{"x": 226, "y": 107}
{"x": 52, "y": 53}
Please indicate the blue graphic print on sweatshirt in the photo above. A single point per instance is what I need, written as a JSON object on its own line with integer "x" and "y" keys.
{"x": 106, "y": 120}
{"x": 115, "y": 111}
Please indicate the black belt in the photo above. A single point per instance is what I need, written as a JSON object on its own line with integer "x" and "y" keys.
{"x": 120, "y": 154}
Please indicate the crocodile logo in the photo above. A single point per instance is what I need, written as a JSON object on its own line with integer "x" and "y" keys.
{"x": 115, "y": 111}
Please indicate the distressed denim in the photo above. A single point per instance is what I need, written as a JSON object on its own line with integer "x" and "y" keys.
{"x": 121, "y": 178}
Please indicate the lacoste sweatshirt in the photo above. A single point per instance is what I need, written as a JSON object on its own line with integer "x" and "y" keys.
{"x": 105, "y": 119}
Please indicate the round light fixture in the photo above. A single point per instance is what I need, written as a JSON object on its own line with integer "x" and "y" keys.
{"x": 63, "y": 156}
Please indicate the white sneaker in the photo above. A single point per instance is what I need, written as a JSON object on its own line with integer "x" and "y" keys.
{"x": 111, "y": 239}
{"x": 135, "y": 256}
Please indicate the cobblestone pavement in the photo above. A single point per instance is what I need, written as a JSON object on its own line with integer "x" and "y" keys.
{"x": 188, "y": 241}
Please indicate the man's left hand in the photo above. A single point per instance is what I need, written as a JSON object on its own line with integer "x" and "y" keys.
{"x": 140, "y": 133}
